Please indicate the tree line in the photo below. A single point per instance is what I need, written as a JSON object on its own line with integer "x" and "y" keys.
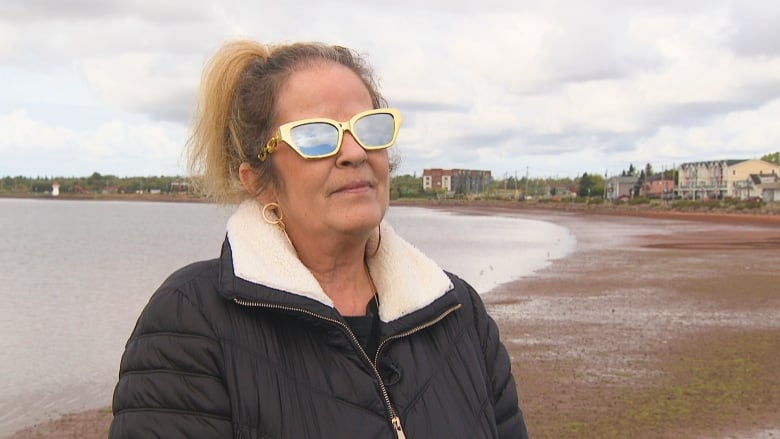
{"x": 94, "y": 184}
{"x": 401, "y": 186}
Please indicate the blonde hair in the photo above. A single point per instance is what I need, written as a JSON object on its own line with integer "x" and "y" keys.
{"x": 236, "y": 110}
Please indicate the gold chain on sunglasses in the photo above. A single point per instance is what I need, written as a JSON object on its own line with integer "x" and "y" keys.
{"x": 268, "y": 149}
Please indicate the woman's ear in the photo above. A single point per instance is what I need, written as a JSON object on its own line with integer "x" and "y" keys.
{"x": 248, "y": 178}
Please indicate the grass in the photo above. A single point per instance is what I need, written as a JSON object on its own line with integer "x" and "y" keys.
{"x": 705, "y": 386}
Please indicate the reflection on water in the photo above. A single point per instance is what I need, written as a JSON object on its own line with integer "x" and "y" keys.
{"x": 484, "y": 250}
{"x": 74, "y": 276}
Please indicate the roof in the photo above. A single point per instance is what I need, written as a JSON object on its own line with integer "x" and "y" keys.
{"x": 625, "y": 179}
{"x": 659, "y": 177}
{"x": 728, "y": 162}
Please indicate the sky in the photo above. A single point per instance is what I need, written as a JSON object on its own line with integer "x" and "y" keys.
{"x": 539, "y": 88}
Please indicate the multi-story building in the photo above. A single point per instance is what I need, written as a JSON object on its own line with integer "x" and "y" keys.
{"x": 437, "y": 179}
{"x": 721, "y": 178}
{"x": 457, "y": 180}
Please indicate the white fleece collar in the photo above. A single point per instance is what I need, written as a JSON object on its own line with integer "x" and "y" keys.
{"x": 406, "y": 279}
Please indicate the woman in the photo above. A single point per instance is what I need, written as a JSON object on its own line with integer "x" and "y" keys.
{"x": 316, "y": 321}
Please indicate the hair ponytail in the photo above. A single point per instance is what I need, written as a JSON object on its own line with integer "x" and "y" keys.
{"x": 216, "y": 147}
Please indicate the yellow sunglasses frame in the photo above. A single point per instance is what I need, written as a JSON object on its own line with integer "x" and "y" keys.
{"x": 284, "y": 133}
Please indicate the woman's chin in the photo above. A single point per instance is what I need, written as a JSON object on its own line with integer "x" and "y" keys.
{"x": 358, "y": 221}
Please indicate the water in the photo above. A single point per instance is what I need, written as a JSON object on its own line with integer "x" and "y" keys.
{"x": 486, "y": 251}
{"x": 74, "y": 275}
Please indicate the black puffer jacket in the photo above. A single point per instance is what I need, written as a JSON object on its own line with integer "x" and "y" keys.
{"x": 249, "y": 346}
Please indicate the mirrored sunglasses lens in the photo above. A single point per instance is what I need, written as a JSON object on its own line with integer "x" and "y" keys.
{"x": 315, "y": 139}
{"x": 375, "y": 130}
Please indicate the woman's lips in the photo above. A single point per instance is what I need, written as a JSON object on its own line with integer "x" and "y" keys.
{"x": 355, "y": 186}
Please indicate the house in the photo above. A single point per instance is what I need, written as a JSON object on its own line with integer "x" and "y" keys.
{"x": 180, "y": 186}
{"x": 770, "y": 192}
{"x": 766, "y": 186}
{"x": 721, "y": 178}
{"x": 456, "y": 180}
{"x": 561, "y": 192}
{"x": 622, "y": 187}
{"x": 659, "y": 186}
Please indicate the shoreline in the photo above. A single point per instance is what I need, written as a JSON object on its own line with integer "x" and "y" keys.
{"x": 769, "y": 213}
{"x": 606, "y": 334}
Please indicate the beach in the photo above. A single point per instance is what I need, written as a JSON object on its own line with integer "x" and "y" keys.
{"x": 658, "y": 325}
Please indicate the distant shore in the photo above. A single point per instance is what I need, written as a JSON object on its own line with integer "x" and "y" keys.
{"x": 769, "y": 212}
{"x": 161, "y": 197}
{"x": 661, "y": 323}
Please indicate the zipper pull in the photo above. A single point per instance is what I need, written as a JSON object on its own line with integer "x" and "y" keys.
{"x": 399, "y": 431}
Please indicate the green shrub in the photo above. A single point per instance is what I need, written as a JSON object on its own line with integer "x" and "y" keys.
{"x": 638, "y": 200}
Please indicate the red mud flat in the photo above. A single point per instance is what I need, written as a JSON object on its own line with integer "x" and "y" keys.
{"x": 658, "y": 325}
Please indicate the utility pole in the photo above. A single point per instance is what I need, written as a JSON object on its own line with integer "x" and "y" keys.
{"x": 525, "y": 194}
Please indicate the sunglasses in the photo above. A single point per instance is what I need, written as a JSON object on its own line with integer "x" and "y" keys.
{"x": 320, "y": 138}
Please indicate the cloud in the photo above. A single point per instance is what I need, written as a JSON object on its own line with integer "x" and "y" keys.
{"x": 156, "y": 84}
{"x": 755, "y": 30}
{"x": 17, "y": 130}
{"x": 500, "y": 85}
{"x": 33, "y": 147}
{"x": 171, "y": 11}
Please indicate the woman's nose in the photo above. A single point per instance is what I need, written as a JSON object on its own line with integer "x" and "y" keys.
{"x": 350, "y": 153}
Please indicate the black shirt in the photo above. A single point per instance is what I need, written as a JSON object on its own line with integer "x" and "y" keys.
{"x": 366, "y": 328}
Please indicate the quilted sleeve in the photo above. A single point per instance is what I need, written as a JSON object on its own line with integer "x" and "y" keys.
{"x": 509, "y": 417}
{"x": 170, "y": 382}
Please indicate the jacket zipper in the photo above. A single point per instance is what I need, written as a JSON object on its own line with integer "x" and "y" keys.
{"x": 395, "y": 420}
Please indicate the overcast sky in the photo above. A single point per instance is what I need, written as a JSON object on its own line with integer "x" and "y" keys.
{"x": 552, "y": 88}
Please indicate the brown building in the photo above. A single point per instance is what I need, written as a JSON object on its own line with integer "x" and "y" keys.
{"x": 659, "y": 186}
{"x": 456, "y": 180}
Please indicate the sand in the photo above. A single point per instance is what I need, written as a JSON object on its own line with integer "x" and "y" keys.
{"x": 658, "y": 325}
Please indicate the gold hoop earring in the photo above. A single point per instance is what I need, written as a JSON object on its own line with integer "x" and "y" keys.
{"x": 378, "y": 241}
{"x": 277, "y": 213}
{"x": 276, "y": 220}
